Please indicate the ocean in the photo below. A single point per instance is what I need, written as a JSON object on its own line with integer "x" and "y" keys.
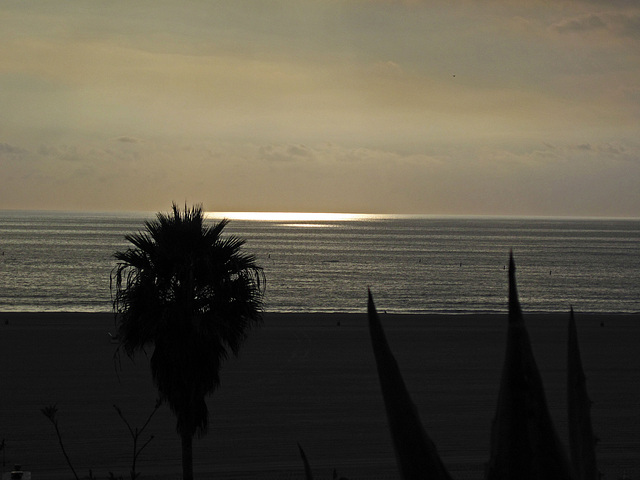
{"x": 62, "y": 261}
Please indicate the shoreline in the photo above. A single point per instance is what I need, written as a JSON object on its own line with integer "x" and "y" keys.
{"x": 301, "y": 377}
{"x": 58, "y": 315}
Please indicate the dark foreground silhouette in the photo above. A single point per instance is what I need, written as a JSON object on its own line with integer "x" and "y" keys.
{"x": 524, "y": 442}
{"x": 192, "y": 294}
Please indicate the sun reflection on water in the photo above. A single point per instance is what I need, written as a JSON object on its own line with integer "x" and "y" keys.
{"x": 290, "y": 216}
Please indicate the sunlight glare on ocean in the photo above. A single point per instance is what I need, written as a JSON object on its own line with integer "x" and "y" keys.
{"x": 291, "y": 216}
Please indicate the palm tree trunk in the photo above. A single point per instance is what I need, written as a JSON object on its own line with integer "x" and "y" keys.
{"x": 187, "y": 456}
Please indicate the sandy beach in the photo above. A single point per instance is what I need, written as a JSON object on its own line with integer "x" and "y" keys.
{"x": 307, "y": 378}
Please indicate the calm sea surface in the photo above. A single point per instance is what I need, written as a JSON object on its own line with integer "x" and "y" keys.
{"x": 54, "y": 261}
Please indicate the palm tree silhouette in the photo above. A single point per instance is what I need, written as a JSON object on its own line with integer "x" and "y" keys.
{"x": 193, "y": 295}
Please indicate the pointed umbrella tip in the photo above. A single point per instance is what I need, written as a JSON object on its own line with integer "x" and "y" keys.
{"x": 571, "y": 315}
{"x": 572, "y": 327}
{"x": 512, "y": 268}
{"x": 370, "y": 304}
{"x": 515, "y": 311}
{"x": 372, "y": 313}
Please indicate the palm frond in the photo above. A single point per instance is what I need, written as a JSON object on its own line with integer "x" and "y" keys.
{"x": 308, "y": 475}
{"x": 582, "y": 441}
{"x": 416, "y": 454}
{"x": 524, "y": 442}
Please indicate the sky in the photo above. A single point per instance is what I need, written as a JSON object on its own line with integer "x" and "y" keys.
{"x": 511, "y": 107}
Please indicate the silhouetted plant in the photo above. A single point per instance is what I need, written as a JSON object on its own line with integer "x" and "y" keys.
{"x": 192, "y": 294}
{"x": 582, "y": 441}
{"x": 135, "y": 435}
{"x": 416, "y": 454}
{"x": 337, "y": 477}
{"x": 308, "y": 475}
{"x": 51, "y": 412}
{"x": 524, "y": 443}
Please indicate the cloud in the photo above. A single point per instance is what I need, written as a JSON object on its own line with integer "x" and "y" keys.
{"x": 611, "y": 149}
{"x": 584, "y": 146}
{"x": 285, "y": 153}
{"x": 599, "y": 149}
{"x": 127, "y": 139}
{"x": 616, "y": 24}
{"x": 582, "y": 24}
{"x": 555, "y": 177}
{"x": 607, "y": 154}
{"x": 6, "y": 148}
{"x": 340, "y": 105}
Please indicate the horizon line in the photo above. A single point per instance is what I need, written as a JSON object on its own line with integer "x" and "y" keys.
{"x": 345, "y": 216}
{"x": 282, "y": 215}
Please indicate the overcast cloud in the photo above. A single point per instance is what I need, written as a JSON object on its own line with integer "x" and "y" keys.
{"x": 501, "y": 107}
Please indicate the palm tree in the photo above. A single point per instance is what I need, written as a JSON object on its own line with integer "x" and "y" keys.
{"x": 193, "y": 295}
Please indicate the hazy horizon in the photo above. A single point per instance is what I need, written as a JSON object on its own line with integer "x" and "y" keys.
{"x": 296, "y": 216}
{"x": 509, "y": 107}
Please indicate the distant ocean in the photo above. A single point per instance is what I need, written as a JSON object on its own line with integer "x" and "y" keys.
{"x": 56, "y": 261}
